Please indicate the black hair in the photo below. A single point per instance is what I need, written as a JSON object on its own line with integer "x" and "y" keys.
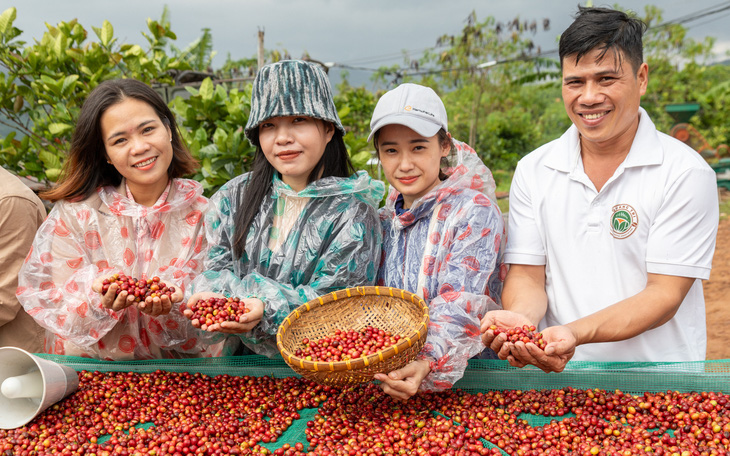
{"x": 605, "y": 29}
{"x": 335, "y": 161}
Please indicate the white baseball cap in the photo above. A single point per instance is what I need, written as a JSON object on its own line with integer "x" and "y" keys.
{"x": 414, "y": 106}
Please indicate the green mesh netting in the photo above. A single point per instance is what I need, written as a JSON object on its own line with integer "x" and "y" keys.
{"x": 481, "y": 376}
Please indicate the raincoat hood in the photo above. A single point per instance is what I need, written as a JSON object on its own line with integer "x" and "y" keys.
{"x": 360, "y": 185}
{"x": 185, "y": 192}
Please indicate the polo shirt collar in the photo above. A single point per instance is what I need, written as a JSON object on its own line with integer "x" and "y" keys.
{"x": 645, "y": 150}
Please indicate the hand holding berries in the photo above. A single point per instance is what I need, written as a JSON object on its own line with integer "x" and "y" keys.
{"x": 248, "y": 313}
{"x": 501, "y": 319}
{"x": 560, "y": 343}
{"x": 524, "y": 334}
{"x": 206, "y": 312}
{"x": 151, "y": 296}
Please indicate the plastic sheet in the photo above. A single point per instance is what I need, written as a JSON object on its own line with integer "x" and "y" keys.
{"x": 105, "y": 234}
{"x": 300, "y": 246}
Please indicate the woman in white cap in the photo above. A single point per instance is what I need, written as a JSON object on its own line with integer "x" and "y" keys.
{"x": 301, "y": 223}
{"x": 442, "y": 234}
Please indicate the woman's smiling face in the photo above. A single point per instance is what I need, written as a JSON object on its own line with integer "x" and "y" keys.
{"x": 294, "y": 145}
{"x": 411, "y": 162}
{"x": 137, "y": 144}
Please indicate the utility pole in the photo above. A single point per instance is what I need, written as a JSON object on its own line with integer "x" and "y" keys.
{"x": 261, "y": 49}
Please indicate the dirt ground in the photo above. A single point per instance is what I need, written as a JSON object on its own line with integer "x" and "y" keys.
{"x": 717, "y": 293}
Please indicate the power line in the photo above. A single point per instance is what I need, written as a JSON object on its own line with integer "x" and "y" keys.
{"x": 696, "y": 15}
{"x": 388, "y": 56}
{"x": 713, "y": 19}
{"x": 708, "y": 11}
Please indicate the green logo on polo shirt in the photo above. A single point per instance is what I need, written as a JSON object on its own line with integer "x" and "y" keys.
{"x": 623, "y": 221}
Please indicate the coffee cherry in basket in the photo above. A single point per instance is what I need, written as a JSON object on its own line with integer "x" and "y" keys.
{"x": 527, "y": 333}
{"x": 217, "y": 310}
{"x": 346, "y": 344}
{"x": 140, "y": 289}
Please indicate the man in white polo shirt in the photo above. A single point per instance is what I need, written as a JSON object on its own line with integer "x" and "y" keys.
{"x": 612, "y": 226}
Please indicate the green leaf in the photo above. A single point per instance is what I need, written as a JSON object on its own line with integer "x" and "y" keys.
{"x": 107, "y": 32}
{"x": 206, "y": 89}
{"x": 60, "y": 45}
{"x": 53, "y": 173}
{"x": 32, "y": 166}
{"x": 201, "y": 135}
{"x": 208, "y": 151}
{"x": 6, "y": 19}
{"x": 134, "y": 50}
{"x": 206, "y": 165}
{"x": 221, "y": 94}
{"x": 49, "y": 159}
{"x": 69, "y": 82}
{"x": 59, "y": 128}
{"x": 220, "y": 137}
{"x": 343, "y": 112}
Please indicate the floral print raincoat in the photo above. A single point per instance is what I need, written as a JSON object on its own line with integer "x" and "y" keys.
{"x": 300, "y": 246}
{"x": 447, "y": 248}
{"x": 110, "y": 233}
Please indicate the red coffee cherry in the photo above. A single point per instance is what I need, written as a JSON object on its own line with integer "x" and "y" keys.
{"x": 346, "y": 344}
{"x": 217, "y": 310}
{"x": 527, "y": 333}
{"x": 140, "y": 289}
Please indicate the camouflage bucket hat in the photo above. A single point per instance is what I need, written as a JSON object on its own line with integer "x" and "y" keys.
{"x": 290, "y": 88}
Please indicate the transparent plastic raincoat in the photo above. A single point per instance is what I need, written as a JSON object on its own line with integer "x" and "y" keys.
{"x": 300, "y": 246}
{"x": 448, "y": 249}
{"x": 109, "y": 233}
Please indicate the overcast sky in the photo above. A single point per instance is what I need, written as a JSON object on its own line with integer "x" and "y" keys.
{"x": 358, "y": 33}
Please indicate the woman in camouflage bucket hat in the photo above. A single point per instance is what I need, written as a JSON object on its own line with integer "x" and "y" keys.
{"x": 301, "y": 223}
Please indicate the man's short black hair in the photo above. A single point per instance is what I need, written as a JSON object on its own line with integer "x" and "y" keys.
{"x": 605, "y": 29}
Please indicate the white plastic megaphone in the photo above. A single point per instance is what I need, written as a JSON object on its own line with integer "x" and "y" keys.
{"x": 29, "y": 385}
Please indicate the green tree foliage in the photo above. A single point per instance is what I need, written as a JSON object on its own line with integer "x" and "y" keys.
{"x": 43, "y": 85}
{"x": 502, "y": 96}
{"x": 212, "y": 119}
{"x": 355, "y": 107}
{"x": 199, "y": 54}
{"x": 504, "y": 99}
{"x": 486, "y": 76}
{"x": 680, "y": 72}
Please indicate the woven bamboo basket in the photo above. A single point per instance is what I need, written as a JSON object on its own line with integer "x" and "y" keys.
{"x": 389, "y": 309}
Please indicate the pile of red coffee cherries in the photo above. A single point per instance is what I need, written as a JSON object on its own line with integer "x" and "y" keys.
{"x": 140, "y": 289}
{"x": 527, "y": 333}
{"x": 217, "y": 310}
{"x": 181, "y": 413}
{"x": 346, "y": 344}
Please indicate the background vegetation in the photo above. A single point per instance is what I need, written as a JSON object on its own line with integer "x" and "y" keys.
{"x": 503, "y": 98}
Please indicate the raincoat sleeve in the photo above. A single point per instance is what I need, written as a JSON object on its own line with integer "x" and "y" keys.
{"x": 349, "y": 259}
{"x": 54, "y": 283}
{"x": 462, "y": 300}
{"x": 184, "y": 263}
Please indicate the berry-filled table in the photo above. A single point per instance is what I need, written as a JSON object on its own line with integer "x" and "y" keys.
{"x": 254, "y": 405}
